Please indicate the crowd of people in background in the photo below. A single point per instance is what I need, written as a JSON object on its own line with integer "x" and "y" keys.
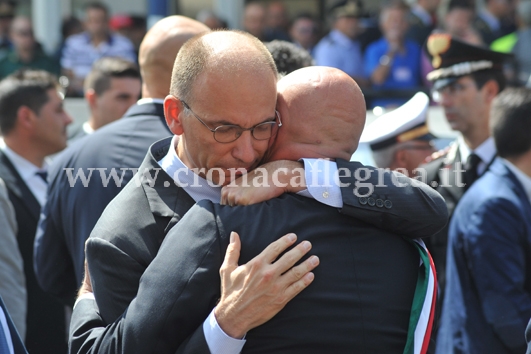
{"x": 471, "y": 292}
{"x": 381, "y": 50}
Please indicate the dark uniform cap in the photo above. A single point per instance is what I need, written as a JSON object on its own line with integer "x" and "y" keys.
{"x": 348, "y": 8}
{"x": 452, "y": 58}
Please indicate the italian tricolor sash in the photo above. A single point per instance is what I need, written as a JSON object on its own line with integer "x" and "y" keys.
{"x": 423, "y": 309}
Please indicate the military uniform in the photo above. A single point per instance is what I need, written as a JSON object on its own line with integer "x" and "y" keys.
{"x": 447, "y": 172}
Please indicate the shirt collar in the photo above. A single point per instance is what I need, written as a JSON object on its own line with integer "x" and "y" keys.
{"x": 25, "y": 168}
{"x": 422, "y": 14}
{"x": 196, "y": 186}
{"x": 524, "y": 179}
{"x": 341, "y": 38}
{"x": 485, "y": 151}
{"x": 150, "y": 100}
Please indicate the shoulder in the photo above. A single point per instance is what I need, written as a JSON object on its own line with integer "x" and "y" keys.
{"x": 120, "y": 40}
{"x": 77, "y": 39}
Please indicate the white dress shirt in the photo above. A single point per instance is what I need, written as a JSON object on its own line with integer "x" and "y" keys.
{"x": 486, "y": 152}
{"x": 323, "y": 185}
{"x": 28, "y": 173}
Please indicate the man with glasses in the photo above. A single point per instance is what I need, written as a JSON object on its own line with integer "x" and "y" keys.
{"x": 181, "y": 285}
{"x": 222, "y": 120}
{"x": 400, "y": 140}
{"x": 465, "y": 80}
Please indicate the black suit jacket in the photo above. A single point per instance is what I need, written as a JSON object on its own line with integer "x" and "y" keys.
{"x": 125, "y": 240}
{"x": 18, "y": 346}
{"x": 73, "y": 209}
{"x": 45, "y": 322}
{"x": 359, "y": 302}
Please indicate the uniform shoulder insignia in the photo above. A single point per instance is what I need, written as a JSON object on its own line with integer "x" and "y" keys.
{"x": 437, "y": 155}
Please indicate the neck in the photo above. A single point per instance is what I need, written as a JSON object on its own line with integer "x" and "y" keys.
{"x": 475, "y": 137}
{"x": 99, "y": 38}
{"x": 93, "y": 122}
{"x": 522, "y": 162}
{"x": 24, "y": 148}
{"x": 25, "y": 54}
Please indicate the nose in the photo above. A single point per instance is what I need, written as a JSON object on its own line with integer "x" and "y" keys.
{"x": 68, "y": 119}
{"x": 243, "y": 149}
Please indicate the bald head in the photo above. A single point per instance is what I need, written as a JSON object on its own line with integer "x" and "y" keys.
{"x": 323, "y": 115}
{"x": 159, "y": 49}
{"x": 232, "y": 55}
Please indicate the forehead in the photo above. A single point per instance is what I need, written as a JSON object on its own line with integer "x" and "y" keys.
{"x": 244, "y": 99}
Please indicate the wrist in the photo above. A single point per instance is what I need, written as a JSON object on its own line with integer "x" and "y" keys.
{"x": 295, "y": 180}
{"x": 386, "y": 60}
{"x": 229, "y": 326}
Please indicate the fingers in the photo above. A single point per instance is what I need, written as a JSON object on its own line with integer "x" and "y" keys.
{"x": 276, "y": 248}
{"x": 298, "y": 286}
{"x": 233, "y": 253}
{"x": 288, "y": 260}
{"x": 301, "y": 271}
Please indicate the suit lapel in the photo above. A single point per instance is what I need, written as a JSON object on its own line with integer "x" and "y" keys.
{"x": 451, "y": 167}
{"x": 18, "y": 187}
{"x": 166, "y": 200}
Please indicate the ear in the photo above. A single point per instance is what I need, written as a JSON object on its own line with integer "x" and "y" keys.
{"x": 173, "y": 108}
{"x": 26, "y": 118}
{"x": 490, "y": 90}
{"x": 400, "y": 159}
{"x": 92, "y": 98}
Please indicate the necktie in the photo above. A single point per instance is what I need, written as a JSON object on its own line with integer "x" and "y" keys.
{"x": 43, "y": 175}
{"x": 4, "y": 347}
{"x": 471, "y": 169}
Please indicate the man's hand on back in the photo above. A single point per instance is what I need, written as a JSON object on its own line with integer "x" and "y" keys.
{"x": 266, "y": 182}
{"x": 251, "y": 294}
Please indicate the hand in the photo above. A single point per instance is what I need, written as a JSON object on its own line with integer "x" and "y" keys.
{"x": 86, "y": 285}
{"x": 266, "y": 182}
{"x": 251, "y": 294}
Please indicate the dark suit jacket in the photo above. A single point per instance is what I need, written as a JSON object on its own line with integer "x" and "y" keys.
{"x": 488, "y": 290}
{"x": 125, "y": 240}
{"x": 45, "y": 329}
{"x": 18, "y": 346}
{"x": 72, "y": 211}
{"x": 128, "y": 239}
{"x": 360, "y": 301}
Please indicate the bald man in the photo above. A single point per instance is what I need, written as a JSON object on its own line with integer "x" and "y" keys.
{"x": 362, "y": 295}
{"x": 81, "y": 180}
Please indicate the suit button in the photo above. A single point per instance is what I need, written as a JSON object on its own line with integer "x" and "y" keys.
{"x": 388, "y": 204}
{"x": 371, "y": 201}
{"x": 379, "y": 203}
{"x": 362, "y": 200}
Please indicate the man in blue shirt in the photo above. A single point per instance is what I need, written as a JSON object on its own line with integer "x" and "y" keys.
{"x": 393, "y": 62}
{"x": 340, "y": 48}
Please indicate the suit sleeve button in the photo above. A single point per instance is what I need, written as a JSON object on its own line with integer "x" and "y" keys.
{"x": 379, "y": 203}
{"x": 362, "y": 200}
{"x": 371, "y": 201}
{"x": 388, "y": 204}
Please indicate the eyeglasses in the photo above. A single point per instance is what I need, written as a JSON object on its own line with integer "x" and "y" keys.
{"x": 229, "y": 132}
